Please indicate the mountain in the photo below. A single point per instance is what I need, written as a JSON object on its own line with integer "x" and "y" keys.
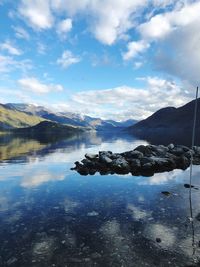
{"x": 47, "y": 130}
{"x": 170, "y": 121}
{"x": 10, "y": 118}
{"x": 70, "y": 118}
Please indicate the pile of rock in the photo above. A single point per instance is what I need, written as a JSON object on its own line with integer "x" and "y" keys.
{"x": 143, "y": 160}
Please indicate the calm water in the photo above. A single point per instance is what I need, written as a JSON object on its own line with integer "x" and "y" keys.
{"x": 51, "y": 216}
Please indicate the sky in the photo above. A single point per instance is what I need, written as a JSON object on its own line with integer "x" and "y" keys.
{"x": 113, "y": 59}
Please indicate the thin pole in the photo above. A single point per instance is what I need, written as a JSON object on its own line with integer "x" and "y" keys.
{"x": 193, "y": 141}
{"x": 191, "y": 162}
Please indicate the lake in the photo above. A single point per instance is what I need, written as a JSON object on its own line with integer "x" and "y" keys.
{"x": 51, "y": 216}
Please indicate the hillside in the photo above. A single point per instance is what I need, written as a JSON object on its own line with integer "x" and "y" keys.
{"x": 47, "y": 130}
{"x": 170, "y": 121}
{"x": 10, "y": 118}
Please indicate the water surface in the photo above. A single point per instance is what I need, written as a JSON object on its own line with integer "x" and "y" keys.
{"x": 52, "y": 216}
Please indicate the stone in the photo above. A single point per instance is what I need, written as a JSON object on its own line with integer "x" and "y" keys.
{"x": 133, "y": 154}
{"x": 145, "y": 150}
{"x": 91, "y": 156}
{"x": 171, "y": 146}
{"x": 143, "y": 160}
{"x": 166, "y": 193}
{"x": 158, "y": 240}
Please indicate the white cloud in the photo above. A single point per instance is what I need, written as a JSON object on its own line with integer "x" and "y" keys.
{"x": 175, "y": 35}
{"x": 37, "y": 13}
{"x": 126, "y": 102}
{"x": 134, "y": 49}
{"x": 68, "y": 59}
{"x": 34, "y": 85}
{"x": 21, "y": 33}
{"x": 64, "y": 26}
{"x": 7, "y": 46}
{"x": 163, "y": 24}
{"x": 109, "y": 20}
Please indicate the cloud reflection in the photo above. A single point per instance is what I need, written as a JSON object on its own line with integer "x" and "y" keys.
{"x": 34, "y": 180}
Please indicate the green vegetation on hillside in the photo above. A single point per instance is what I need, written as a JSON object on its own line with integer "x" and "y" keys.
{"x": 16, "y": 147}
{"x": 16, "y": 119}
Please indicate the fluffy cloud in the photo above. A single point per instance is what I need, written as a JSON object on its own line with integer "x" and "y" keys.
{"x": 35, "y": 86}
{"x": 64, "y": 26}
{"x": 176, "y": 36}
{"x": 126, "y": 102}
{"x": 68, "y": 59}
{"x": 134, "y": 49}
{"x": 8, "y": 47}
{"x": 37, "y": 13}
{"x": 109, "y": 19}
{"x": 163, "y": 24}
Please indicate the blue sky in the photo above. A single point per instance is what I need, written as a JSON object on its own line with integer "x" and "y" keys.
{"x": 113, "y": 59}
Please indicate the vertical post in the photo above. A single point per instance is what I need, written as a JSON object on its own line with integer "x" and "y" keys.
{"x": 191, "y": 162}
{"x": 193, "y": 139}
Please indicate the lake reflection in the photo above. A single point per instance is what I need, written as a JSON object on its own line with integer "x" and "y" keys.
{"x": 52, "y": 216}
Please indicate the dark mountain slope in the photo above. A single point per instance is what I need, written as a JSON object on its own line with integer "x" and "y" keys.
{"x": 47, "y": 130}
{"x": 169, "y": 122}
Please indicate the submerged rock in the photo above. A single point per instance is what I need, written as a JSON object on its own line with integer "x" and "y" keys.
{"x": 143, "y": 160}
{"x": 166, "y": 193}
{"x": 190, "y": 186}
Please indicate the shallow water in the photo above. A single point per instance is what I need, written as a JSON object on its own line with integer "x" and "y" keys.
{"x": 52, "y": 216}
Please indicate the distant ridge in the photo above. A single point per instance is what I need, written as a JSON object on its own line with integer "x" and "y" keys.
{"x": 70, "y": 118}
{"x": 169, "y": 121}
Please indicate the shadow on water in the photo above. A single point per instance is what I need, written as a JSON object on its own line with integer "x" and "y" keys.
{"x": 53, "y": 217}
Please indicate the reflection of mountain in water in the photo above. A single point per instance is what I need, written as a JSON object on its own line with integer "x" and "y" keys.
{"x": 15, "y": 147}
{"x": 12, "y": 147}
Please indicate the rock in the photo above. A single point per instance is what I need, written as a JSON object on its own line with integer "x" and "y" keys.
{"x": 166, "y": 193}
{"x": 106, "y": 159}
{"x": 171, "y": 146}
{"x": 91, "y": 156}
{"x": 145, "y": 150}
{"x": 196, "y": 150}
{"x": 95, "y": 255}
{"x": 190, "y": 186}
{"x": 82, "y": 169}
{"x": 133, "y": 154}
{"x": 159, "y": 150}
{"x": 143, "y": 160}
{"x": 135, "y": 164}
{"x": 158, "y": 240}
{"x": 88, "y": 163}
{"x": 11, "y": 261}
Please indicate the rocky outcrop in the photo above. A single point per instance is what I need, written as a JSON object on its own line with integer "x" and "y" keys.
{"x": 143, "y": 160}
